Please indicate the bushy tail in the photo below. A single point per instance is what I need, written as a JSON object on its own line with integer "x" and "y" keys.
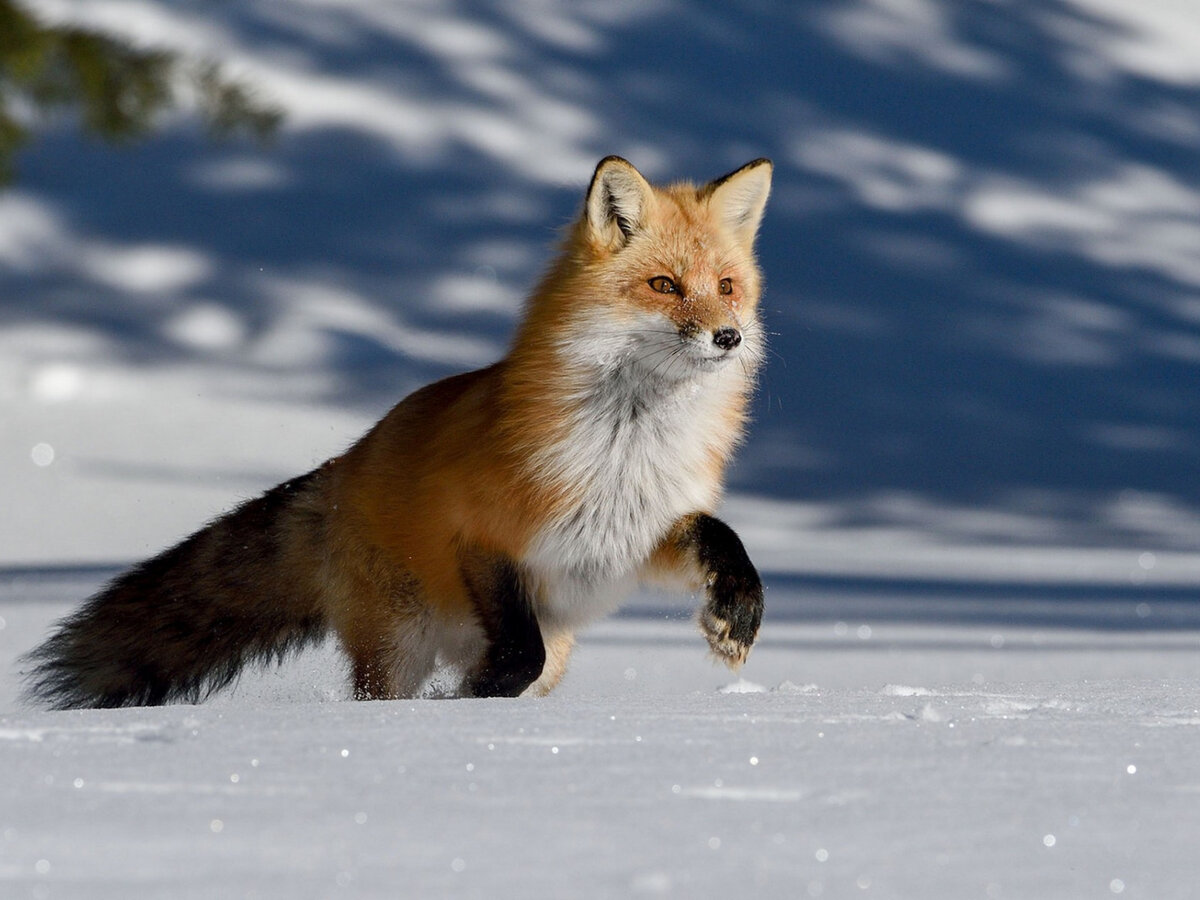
{"x": 182, "y": 625}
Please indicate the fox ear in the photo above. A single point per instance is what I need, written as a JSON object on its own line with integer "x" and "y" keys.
{"x": 740, "y": 197}
{"x": 617, "y": 201}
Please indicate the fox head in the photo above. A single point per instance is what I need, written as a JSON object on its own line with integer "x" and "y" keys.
{"x": 662, "y": 281}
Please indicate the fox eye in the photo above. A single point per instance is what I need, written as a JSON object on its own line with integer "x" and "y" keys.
{"x": 726, "y": 286}
{"x": 663, "y": 285}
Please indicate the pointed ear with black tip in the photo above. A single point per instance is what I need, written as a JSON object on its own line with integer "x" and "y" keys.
{"x": 617, "y": 201}
{"x": 740, "y": 197}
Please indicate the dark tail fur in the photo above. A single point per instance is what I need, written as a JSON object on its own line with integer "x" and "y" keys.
{"x": 182, "y": 625}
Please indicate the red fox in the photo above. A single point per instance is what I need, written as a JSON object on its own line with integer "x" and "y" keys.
{"x": 489, "y": 515}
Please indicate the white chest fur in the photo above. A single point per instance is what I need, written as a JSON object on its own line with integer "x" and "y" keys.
{"x": 636, "y": 457}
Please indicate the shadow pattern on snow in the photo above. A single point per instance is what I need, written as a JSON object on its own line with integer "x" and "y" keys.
{"x": 980, "y": 251}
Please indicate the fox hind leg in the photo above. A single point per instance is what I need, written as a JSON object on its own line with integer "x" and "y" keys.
{"x": 396, "y": 664}
{"x": 387, "y": 633}
{"x": 371, "y": 673}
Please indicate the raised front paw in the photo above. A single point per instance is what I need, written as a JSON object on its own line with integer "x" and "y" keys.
{"x": 730, "y": 620}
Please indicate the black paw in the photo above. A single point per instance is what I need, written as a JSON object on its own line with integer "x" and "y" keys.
{"x": 731, "y": 617}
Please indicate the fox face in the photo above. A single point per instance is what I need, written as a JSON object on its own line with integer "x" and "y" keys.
{"x": 664, "y": 283}
{"x": 692, "y": 308}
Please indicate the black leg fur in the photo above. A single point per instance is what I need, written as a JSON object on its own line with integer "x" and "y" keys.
{"x": 734, "y": 606}
{"x": 516, "y": 652}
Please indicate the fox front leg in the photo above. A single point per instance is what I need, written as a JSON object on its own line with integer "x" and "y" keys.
{"x": 515, "y": 651}
{"x": 733, "y": 604}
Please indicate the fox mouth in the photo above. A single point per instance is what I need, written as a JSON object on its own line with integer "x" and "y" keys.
{"x": 660, "y": 350}
{"x": 705, "y": 356}
{"x": 693, "y": 351}
{"x": 713, "y": 349}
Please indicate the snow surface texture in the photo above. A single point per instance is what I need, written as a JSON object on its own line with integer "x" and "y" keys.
{"x": 885, "y": 760}
{"x": 971, "y": 483}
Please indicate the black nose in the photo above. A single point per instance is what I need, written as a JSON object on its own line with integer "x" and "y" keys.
{"x": 727, "y": 338}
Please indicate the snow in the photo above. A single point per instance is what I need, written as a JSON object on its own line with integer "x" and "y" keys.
{"x": 971, "y": 482}
{"x": 926, "y": 760}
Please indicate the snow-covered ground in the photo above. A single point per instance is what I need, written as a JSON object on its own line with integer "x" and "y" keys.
{"x": 857, "y": 757}
{"x": 971, "y": 485}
